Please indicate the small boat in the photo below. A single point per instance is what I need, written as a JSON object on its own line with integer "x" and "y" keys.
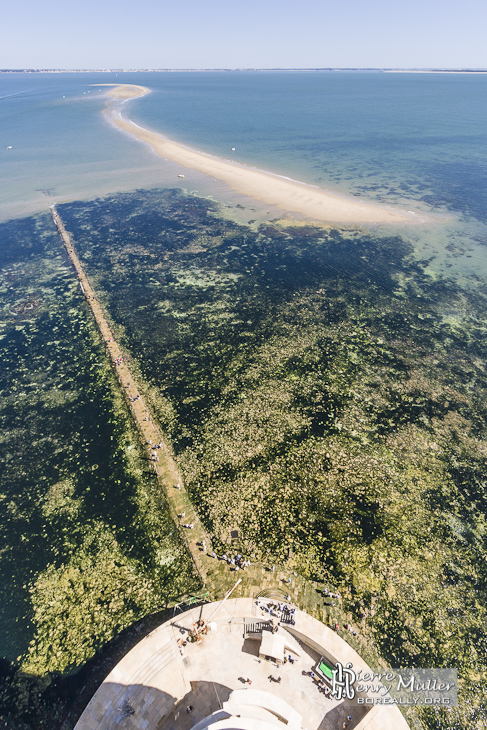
{"x": 180, "y": 175}
{"x": 9, "y": 147}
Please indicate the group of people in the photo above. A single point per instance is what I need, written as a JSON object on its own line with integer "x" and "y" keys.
{"x": 274, "y": 679}
{"x": 187, "y": 525}
{"x": 336, "y": 627}
{"x": 320, "y": 684}
{"x": 322, "y": 687}
{"x": 289, "y": 659}
{"x": 235, "y": 563}
{"x": 287, "y": 615}
{"x": 195, "y": 635}
{"x": 152, "y": 448}
{"x": 199, "y": 627}
{"x": 282, "y": 611}
{"x": 329, "y": 594}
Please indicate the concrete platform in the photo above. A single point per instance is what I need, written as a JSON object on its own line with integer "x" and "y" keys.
{"x": 159, "y": 685}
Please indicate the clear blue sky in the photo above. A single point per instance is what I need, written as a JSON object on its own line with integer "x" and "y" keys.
{"x": 247, "y": 33}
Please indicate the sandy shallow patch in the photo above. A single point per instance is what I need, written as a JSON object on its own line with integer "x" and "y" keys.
{"x": 289, "y": 195}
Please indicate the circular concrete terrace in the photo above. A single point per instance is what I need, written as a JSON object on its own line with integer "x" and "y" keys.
{"x": 162, "y": 685}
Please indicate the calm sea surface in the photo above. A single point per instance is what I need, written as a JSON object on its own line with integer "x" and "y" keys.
{"x": 418, "y": 140}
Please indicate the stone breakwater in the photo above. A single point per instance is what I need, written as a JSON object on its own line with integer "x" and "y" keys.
{"x": 158, "y": 451}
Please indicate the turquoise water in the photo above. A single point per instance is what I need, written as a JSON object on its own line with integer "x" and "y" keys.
{"x": 417, "y": 140}
{"x": 388, "y": 136}
{"x": 61, "y": 146}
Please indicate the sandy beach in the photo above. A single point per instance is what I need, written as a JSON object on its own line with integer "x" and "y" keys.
{"x": 125, "y": 91}
{"x": 289, "y": 195}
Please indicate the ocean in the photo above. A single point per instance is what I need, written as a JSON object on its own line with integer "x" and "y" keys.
{"x": 415, "y": 140}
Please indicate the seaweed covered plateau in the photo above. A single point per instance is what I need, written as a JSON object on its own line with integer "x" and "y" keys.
{"x": 326, "y": 399}
{"x": 87, "y": 543}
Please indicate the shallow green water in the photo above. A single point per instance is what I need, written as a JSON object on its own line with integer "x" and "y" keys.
{"x": 87, "y": 545}
{"x": 325, "y": 394}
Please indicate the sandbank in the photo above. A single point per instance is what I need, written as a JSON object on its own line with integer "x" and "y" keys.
{"x": 291, "y": 196}
{"x": 125, "y": 91}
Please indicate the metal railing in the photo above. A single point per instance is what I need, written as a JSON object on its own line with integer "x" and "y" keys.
{"x": 191, "y": 601}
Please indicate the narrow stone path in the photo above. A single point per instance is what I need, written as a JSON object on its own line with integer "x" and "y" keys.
{"x": 158, "y": 452}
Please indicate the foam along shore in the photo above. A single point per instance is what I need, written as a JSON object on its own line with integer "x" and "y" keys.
{"x": 291, "y": 196}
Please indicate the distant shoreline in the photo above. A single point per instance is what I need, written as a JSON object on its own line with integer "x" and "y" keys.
{"x": 237, "y": 70}
{"x": 291, "y": 196}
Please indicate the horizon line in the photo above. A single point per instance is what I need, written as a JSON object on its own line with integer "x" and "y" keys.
{"x": 438, "y": 69}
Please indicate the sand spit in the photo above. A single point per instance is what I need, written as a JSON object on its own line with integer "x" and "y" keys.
{"x": 290, "y": 196}
{"x": 126, "y": 91}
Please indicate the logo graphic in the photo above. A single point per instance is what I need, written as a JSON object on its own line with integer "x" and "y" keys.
{"x": 343, "y": 682}
{"x": 403, "y": 687}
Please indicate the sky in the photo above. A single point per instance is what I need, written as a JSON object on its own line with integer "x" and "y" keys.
{"x": 243, "y": 34}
